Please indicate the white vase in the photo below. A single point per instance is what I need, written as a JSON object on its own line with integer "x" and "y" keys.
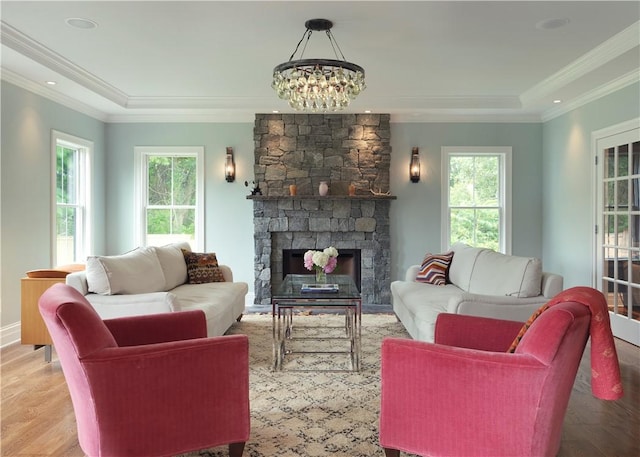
{"x": 323, "y": 189}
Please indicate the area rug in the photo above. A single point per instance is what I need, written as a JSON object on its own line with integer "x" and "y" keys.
{"x": 313, "y": 413}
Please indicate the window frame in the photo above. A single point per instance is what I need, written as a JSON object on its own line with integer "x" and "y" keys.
{"x": 141, "y": 153}
{"x": 84, "y": 233}
{"x": 505, "y": 209}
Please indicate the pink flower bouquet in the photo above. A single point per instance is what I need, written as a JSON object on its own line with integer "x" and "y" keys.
{"x": 325, "y": 260}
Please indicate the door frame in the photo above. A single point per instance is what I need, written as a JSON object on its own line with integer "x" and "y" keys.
{"x": 622, "y": 327}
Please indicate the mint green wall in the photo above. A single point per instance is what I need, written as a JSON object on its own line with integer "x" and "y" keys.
{"x": 416, "y": 221}
{"x": 229, "y": 215}
{"x": 568, "y": 187}
{"x": 25, "y": 235}
{"x": 415, "y": 214}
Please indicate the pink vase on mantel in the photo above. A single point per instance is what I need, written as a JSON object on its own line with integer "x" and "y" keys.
{"x": 323, "y": 189}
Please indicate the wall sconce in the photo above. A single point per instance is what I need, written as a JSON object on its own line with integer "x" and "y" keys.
{"x": 229, "y": 166}
{"x": 414, "y": 166}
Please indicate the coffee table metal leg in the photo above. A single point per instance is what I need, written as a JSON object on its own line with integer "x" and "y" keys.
{"x": 276, "y": 342}
{"x": 288, "y": 319}
{"x": 279, "y": 329}
{"x": 358, "y": 331}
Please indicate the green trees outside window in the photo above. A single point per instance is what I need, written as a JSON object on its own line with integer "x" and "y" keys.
{"x": 67, "y": 162}
{"x": 171, "y": 202}
{"x": 71, "y": 173}
{"x": 475, "y": 199}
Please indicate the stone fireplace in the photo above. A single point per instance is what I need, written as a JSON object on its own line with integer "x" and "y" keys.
{"x": 304, "y": 149}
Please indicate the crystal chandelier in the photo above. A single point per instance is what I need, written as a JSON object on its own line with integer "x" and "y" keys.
{"x": 318, "y": 84}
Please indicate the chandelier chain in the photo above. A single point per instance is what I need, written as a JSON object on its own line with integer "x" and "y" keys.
{"x": 306, "y": 33}
{"x": 334, "y": 45}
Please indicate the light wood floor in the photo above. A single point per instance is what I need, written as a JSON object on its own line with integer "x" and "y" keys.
{"x": 37, "y": 416}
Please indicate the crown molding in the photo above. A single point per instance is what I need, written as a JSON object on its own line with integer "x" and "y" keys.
{"x": 599, "y": 92}
{"x": 32, "y": 49}
{"x": 64, "y": 100}
{"x": 249, "y": 117}
{"x": 451, "y": 102}
{"x": 181, "y": 116}
{"x": 465, "y": 116}
{"x": 237, "y": 116}
{"x": 598, "y": 56}
{"x": 197, "y": 102}
{"x": 454, "y": 102}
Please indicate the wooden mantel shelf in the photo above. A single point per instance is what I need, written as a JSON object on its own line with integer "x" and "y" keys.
{"x": 318, "y": 197}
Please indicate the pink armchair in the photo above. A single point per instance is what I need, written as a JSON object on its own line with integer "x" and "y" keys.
{"x": 149, "y": 385}
{"x": 466, "y": 396}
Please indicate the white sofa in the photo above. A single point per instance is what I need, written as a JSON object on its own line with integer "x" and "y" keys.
{"x": 150, "y": 280}
{"x": 481, "y": 282}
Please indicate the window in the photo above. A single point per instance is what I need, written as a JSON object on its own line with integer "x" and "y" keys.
{"x": 477, "y": 197}
{"x": 170, "y": 195}
{"x": 71, "y": 164}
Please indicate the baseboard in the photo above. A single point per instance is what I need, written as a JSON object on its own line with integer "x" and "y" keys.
{"x": 10, "y": 334}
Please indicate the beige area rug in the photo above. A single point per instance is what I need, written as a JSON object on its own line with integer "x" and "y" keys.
{"x": 311, "y": 413}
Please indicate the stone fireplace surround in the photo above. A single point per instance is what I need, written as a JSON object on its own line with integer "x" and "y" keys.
{"x": 304, "y": 149}
{"x": 318, "y": 222}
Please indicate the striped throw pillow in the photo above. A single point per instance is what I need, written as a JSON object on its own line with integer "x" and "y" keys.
{"x": 435, "y": 269}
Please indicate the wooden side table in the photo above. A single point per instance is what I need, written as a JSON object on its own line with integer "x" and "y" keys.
{"x": 33, "y": 330}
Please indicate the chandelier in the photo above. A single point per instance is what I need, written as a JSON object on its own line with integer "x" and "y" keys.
{"x": 318, "y": 84}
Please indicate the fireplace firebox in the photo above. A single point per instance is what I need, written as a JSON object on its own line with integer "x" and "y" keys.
{"x": 349, "y": 263}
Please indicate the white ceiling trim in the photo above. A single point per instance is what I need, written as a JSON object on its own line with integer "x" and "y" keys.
{"x": 595, "y": 58}
{"x": 34, "y": 50}
{"x": 219, "y": 117}
{"x": 475, "y": 118}
{"x": 417, "y": 102}
{"x": 69, "y": 102}
{"x": 599, "y": 92}
{"x": 230, "y": 116}
{"x": 469, "y": 102}
{"x": 235, "y": 116}
{"x": 176, "y": 102}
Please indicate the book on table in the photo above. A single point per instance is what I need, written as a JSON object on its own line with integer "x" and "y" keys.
{"x": 320, "y": 288}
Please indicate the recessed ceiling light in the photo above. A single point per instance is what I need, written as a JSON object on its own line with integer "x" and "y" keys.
{"x": 275, "y": 111}
{"x": 51, "y": 83}
{"x": 552, "y": 23}
{"x": 81, "y": 23}
{"x": 557, "y": 100}
{"x": 368, "y": 111}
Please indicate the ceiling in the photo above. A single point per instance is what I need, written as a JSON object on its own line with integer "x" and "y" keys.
{"x": 424, "y": 60}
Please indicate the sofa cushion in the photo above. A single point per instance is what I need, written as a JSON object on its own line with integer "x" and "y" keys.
{"x": 435, "y": 269}
{"x": 418, "y": 304}
{"x": 135, "y": 272}
{"x": 462, "y": 264}
{"x": 202, "y": 267}
{"x": 499, "y": 274}
{"x": 173, "y": 264}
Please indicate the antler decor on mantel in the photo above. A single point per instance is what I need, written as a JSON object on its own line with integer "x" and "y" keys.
{"x": 379, "y": 192}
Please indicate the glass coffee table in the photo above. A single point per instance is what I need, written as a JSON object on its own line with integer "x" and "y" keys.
{"x": 291, "y": 297}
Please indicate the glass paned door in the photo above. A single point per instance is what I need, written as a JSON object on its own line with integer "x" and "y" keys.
{"x": 618, "y": 263}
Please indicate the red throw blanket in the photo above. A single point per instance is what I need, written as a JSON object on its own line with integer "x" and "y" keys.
{"x": 605, "y": 371}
